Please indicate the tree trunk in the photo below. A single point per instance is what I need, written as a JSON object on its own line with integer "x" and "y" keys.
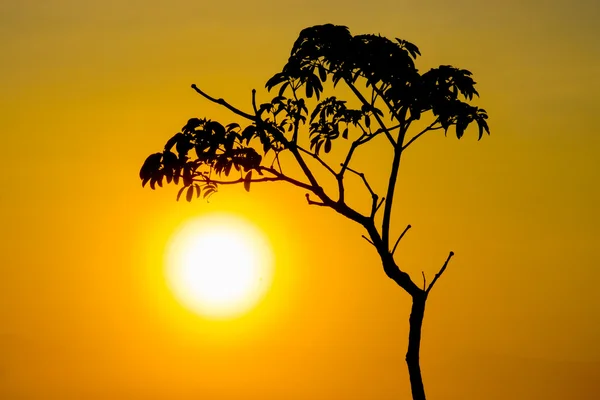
{"x": 414, "y": 343}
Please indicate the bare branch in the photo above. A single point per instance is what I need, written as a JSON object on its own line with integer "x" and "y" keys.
{"x": 319, "y": 159}
{"x": 254, "y": 102}
{"x": 224, "y": 104}
{"x": 314, "y": 203}
{"x": 418, "y": 135}
{"x": 424, "y": 280}
{"x": 278, "y": 162}
{"x": 439, "y": 273}
{"x": 400, "y": 238}
{"x": 374, "y": 195}
{"x": 364, "y": 179}
{"x": 368, "y": 240}
{"x": 288, "y": 179}
{"x": 379, "y": 205}
{"x": 387, "y": 210}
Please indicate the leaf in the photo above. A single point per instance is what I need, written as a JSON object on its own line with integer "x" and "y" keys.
{"x": 283, "y": 87}
{"x": 316, "y": 111}
{"x": 248, "y": 133}
{"x": 169, "y": 159}
{"x": 227, "y": 168}
{"x": 275, "y": 80}
{"x": 180, "y": 192}
{"x": 189, "y": 194}
{"x": 327, "y": 147}
{"x": 309, "y": 89}
{"x": 145, "y": 181}
{"x": 151, "y": 165}
{"x": 247, "y": 180}
{"x": 367, "y": 121}
{"x": 192, "y": 124}
{"x": 171, "y": 142}
{"x": 318, "y": 148}
{"x": 345, "y": 133}
{"x": 197, "y": 190}
{"x": 322, "y": 72}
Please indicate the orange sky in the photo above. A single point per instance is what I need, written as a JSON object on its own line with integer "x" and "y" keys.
{"x": 89, "y": 89}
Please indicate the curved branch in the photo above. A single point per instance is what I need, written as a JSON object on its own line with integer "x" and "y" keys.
{"x": 400, "y": 238}
{"x": 223, "y": 103}
{"x": 437, "y": 276}
{"x": 418, "y": 135}
{"x": 387, "y": 210}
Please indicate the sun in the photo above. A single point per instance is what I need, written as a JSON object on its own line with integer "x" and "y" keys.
{"x": 219, "y": 265}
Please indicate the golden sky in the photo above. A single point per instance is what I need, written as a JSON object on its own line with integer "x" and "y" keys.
{"x": 90, "y": 88}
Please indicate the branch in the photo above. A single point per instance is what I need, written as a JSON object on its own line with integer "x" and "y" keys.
{"x": 424, "y": 280}
{"x": 418, "y": 135}
{"x": 319, "y": 159}
{"x": 439, "y": 273}
{"x": 254, "y": 102}
{"x": 314, "y": 203}
{"x": 286, "y": 178}
{"x": 400, "y": 238}
{"x": 368, "y": 240}
{"x": 378, "y": 131}
{"x": 387, "y": 210}
{"x": 358, "y": 94}
{"x": 223, "y": 103}
{"x": 379, "y": 205}
{"x": 218, "y": 182}
{"x": 362, "y": 176}
{"x": 374, "y": 195}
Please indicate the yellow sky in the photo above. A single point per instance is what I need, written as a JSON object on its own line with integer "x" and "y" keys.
{"x": 89, "y": 89}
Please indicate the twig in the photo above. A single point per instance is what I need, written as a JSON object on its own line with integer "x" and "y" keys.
{"x": 288, "y": 179}
{"x": 400, "y": 238}
{"x": 364, "y": 179}
{"x": 316, "y": 157}
{"x": 254, "y": 101}
{"x": 379, "y": 205}
{"x": 424, "y": 281}
{"x": 439, "y": 273}
{"x": 278, "y": 163}
{"x": 368, "y": 240}
{"x": 224, "y": 104}
{"x": 314, "y": 203}
{"x": 418, "y": 135}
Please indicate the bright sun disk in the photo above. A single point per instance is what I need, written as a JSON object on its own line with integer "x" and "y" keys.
{"x": 219, "y": 266}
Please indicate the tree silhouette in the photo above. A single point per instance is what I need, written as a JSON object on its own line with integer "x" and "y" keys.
{"x": 380, "y": 74}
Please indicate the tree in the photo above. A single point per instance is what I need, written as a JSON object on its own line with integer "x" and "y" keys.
{"x": 380, "y": 74}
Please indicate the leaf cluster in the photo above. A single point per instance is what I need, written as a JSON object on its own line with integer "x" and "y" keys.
{"x": 201, "y": 150}
{"x": 386, "y": 66}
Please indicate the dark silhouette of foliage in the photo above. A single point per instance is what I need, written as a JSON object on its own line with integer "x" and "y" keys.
{"x": 392, "y": 95}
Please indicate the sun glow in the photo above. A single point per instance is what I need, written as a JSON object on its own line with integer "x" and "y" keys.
{"x": 219, "y": 266}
